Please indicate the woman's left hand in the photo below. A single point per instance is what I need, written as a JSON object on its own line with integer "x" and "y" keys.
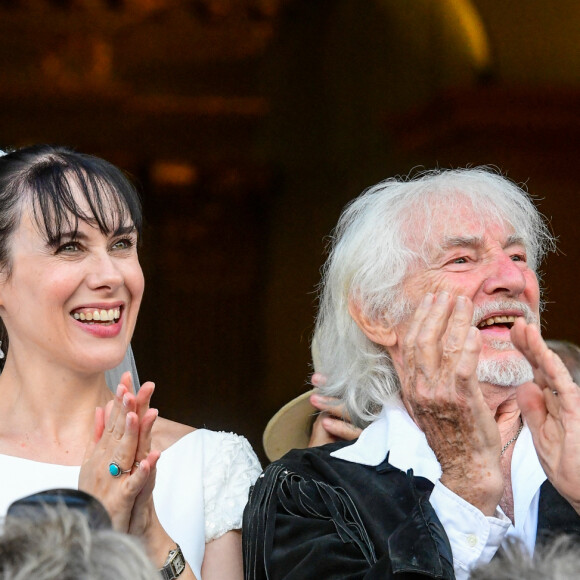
{"x": 145, "y": 413}
{"x": 143, "y": 516}
{"x": 115, "y": 442}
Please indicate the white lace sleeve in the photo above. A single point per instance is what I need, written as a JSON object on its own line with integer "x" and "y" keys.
{"x": 231, "y": 468}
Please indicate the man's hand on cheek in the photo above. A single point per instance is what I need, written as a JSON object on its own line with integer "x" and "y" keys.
{"x": 441, "y": 391}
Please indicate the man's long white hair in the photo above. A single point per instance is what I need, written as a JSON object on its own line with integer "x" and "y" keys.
{"x": 379, "y": 236}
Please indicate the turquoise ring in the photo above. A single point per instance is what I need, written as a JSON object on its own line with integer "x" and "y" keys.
{"x": 115, "y": 470}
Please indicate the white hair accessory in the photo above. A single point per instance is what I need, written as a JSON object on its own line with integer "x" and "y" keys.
{"x": 2, "y": 153}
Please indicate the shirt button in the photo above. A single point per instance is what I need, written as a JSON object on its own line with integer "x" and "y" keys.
{"x": 472, "y": 540}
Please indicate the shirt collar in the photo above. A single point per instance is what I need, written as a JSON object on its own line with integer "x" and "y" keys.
{"x": 395, "y": 433}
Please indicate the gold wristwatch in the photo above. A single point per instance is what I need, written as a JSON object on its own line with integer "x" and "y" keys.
{"x": 174, "y": 565}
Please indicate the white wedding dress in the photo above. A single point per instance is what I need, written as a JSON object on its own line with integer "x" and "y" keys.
{"x": 200, "y": 492}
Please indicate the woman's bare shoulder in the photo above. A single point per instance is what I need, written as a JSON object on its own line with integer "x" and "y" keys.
{"x": 166, "y": 433}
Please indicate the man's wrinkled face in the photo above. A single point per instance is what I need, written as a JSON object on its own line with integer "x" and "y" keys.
{"x": 487, "y": 262}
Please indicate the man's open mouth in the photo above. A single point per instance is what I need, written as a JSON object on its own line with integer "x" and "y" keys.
{"x": 504, "y": 321}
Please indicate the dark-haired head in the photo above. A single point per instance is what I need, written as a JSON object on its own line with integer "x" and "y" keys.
{"x": 41, "y": 179}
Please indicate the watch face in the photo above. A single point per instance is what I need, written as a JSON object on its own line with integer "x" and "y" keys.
{"x": 178, "y": 564}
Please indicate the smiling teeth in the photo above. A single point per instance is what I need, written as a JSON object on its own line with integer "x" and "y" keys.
{"x": 101, "y": 315}
{"x": 496, "y": 320}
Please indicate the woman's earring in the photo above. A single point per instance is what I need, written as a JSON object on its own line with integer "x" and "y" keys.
{"x": 1, "y": 351}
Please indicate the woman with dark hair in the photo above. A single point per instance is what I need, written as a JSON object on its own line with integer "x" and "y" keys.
{"x": 70, "y": 290}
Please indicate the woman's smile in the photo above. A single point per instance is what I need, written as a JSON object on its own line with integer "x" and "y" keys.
{"x": 103, "y": 321}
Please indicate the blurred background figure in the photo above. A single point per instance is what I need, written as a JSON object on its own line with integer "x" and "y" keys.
{"x": 558, "y": 559}
{"x": 570, "y": 355}
{"x": 54, "y": 541}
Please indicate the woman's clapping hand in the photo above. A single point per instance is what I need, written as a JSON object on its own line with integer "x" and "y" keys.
{"x": 122, "y": 443}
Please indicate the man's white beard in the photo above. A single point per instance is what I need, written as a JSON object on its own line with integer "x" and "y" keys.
{"x": 507, "y": 372}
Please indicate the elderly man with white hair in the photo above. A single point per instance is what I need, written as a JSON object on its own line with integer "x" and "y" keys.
{"x": 429, "y": 327}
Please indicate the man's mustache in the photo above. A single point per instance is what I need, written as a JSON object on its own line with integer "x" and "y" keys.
{"x": 483, "y": 311}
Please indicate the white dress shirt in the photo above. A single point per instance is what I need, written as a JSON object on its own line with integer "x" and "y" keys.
{"x": 474, "y": 538}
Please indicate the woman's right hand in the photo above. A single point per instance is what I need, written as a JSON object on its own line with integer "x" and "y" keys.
{"x": 117, "y": 438}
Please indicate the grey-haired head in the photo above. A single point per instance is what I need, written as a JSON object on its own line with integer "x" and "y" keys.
{"x": 391, "y": 229}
